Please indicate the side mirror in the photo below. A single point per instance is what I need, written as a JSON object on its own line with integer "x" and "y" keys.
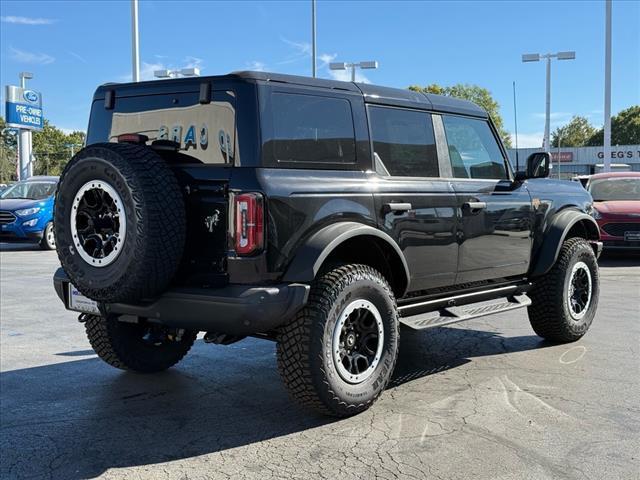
{"x": 538, "y": 166}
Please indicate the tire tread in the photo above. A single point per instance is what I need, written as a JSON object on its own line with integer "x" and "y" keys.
{"x": 108, "y": 343}
{"x": 293, "y": 349}
{"x": 546, "y": 312}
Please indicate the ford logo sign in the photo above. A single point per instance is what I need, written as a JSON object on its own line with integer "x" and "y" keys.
{"x": 30, "y": 96}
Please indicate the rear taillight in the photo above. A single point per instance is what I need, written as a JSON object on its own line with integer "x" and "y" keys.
{"x": 249, "y": 223}
{"x": 135, "y": 138}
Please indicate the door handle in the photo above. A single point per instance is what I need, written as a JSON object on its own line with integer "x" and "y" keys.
{"x": 474, "y": 207}
{"x": 397, "y": 207}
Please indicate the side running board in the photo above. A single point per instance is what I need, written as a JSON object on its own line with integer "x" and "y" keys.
{"x": 447, "y": 315}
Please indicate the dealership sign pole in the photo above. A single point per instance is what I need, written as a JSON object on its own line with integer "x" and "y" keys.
{"x": 24, "y": 112}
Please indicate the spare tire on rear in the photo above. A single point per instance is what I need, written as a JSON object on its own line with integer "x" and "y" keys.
{"x": 119, "y": 222}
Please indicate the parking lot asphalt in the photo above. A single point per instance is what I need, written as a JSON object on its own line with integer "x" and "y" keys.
{"x": 485, "y": 399}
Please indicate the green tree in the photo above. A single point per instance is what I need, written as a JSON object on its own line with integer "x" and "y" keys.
{"x": 576, "y": 133}
{"x": 476, "y": 94}
{"x": 625, "y": 129}
{"x": 8, "y": 153}
{"x": 52, "y": 149}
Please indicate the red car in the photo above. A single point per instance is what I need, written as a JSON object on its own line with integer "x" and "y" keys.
{"x": 616, "y": 198}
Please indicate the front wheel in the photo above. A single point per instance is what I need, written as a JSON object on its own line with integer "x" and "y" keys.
{"x": 141, "y": 347}
{"x": 564, "y": 301}
{"x": 48, "y": 241}
{"x": 337, "y": 355}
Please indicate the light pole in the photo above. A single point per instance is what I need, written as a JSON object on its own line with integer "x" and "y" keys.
{"x": 135, "y": 42}
{"x": 24, "y": 137}
{"x": 353, "y": 66}
{"x": 607, "y": 88}
{"x": 535, "y": 57}
{"x": 183, "y": 72}
{"x": 313, "y": 38}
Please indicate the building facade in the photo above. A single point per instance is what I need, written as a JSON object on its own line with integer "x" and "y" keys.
{"x": 571, "y": 162}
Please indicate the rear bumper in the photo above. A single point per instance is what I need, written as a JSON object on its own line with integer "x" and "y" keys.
{"x": 235, "y": 309}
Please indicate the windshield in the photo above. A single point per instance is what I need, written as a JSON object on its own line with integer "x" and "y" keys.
{"x": 608, "y": 189}
{"x": 30, "y": 190}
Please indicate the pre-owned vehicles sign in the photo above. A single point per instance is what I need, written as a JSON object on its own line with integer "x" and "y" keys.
{"x": 24, "y": 108}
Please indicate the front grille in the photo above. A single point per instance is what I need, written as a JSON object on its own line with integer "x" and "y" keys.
{"x": 618, "y": 229}
{"x": 6, "y": 217}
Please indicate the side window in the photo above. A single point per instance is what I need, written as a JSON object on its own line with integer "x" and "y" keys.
{"x": 312, "y": 129}
{"x": 403, "y": 142}
{"x": 473, "y": 150}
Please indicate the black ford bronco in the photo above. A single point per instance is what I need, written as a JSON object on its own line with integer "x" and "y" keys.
{"x": 320, "y": 214}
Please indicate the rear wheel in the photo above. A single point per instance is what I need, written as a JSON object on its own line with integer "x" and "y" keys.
{"x": 564, "y": 301}
{"x": 141, "y": 347}
{"x": 48, "y": 241}
{"x": 338, "y": 353}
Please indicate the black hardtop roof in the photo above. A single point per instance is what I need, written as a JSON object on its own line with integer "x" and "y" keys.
{"x": 372, "y": 93}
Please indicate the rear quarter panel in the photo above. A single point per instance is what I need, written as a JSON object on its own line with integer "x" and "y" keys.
{"x": 302, "y": 202}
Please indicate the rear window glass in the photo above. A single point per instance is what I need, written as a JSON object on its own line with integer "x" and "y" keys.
{"x": 403, "y": 142}
{"x": 312, "y": 129}
{"x": 205, "y": 132}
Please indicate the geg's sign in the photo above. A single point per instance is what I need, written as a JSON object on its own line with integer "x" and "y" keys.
{"x": 615, "y": 154}
{"x": 24, "y": 108}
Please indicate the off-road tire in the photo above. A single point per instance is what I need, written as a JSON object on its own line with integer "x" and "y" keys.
{"x": 120, "y": 345}
{"x": 155, "y": 222}
{"x": 45, "y": 242}
{"x": 549, "y": 312}
{"x": 304, "y": 347}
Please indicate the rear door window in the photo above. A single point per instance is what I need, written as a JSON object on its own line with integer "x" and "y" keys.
{"x": 310, "y": 130}
{"x": 403, "y": 142}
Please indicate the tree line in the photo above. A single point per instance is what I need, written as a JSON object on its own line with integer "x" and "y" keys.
{"x": 476, "y": 94}
{"x": 579, "y": 132}
{"x": 52, "y": 149}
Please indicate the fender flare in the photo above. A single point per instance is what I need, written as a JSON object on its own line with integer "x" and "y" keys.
{"x": 312, "y": 254}
{"x": 556, "y": 233}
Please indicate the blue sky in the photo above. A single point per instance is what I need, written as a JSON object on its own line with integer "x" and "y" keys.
{"x": 72, "y": 47}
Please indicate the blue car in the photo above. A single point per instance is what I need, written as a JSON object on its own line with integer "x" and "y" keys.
{"x": 26, "y": 211}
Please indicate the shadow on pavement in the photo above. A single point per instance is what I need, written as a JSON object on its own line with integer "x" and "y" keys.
{"x": 77, "y": 353}
{"x": 619, "y": 259}
{"x": 425, "y": 352}
{"x": 19, "y": 247}
{"x": 76, "y": 419}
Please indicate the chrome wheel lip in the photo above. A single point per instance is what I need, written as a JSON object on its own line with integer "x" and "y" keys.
{"x": 122, "y": 223}
{"x": 335, "y": 345}
{"x": 579, "y": 268}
